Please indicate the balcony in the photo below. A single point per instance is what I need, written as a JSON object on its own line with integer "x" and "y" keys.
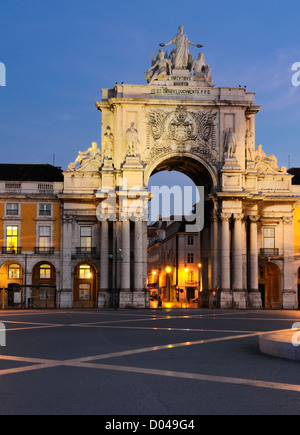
{"x": 269, "y": 252}
{"x": 191, "y": 283}
{"x": 85, "y": 251}
{"x": 44, "y": 251}
{"x": 11, "y": 251}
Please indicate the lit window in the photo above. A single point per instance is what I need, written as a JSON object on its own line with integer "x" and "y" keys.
{"x": 190, "y": 257}
{"x": 44, "y": 238}
{"x": 45, "y": 210}
{"x": 45, "y": 271}
{"x": 269, "y": 238}
{"x": 14, "y": 271}
{"x": 12, "y": 209}
{"x": 11, "y": 238}
{"x": 84, "y": 271}
{"x": 86, "y": 238}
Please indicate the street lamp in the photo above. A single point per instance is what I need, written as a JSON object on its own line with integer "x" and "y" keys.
{"x": 168, "y": 270}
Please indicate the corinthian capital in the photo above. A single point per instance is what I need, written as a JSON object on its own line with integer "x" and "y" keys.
{"x": 254, "y": 219}
{"x": 238, "y": 216}
{"x": 225, "y": 217}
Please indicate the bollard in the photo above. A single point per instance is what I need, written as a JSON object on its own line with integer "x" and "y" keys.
{"x": 2, "y": 335}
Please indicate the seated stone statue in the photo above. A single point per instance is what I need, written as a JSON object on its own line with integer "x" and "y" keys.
{"x": 266, "y": 163}
{"x": 201, "y": 69}
{"x": 88, "y": 160}
{"x": 161, "y": 68}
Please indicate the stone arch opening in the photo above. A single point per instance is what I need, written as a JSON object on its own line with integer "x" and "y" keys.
{"x": 197, "y": 169}
{"x": 270, "y": 285}
{"x": 85, "y": 286}
{"x": 11, "y": 276}
{"x": 183, "y": 274}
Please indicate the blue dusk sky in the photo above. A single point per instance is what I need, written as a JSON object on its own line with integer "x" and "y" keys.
{"x": 60, "y": 54}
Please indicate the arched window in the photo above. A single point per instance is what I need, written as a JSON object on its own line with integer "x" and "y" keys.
{"x": 14, "y": 271}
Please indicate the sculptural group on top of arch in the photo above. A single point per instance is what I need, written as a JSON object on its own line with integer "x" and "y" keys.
{"x": 178, "y": 61}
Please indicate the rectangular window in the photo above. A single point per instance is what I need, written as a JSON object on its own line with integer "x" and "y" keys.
{"x": 190, "y": 240}
{"x": 86, "y": 239}
{"x": 12, "y": 209}
{"x": 12, "y": 239}
{"x": 84, "y": 271}
{"x": 269, "y": 238}
{"x": 190, "y": 257}
{"x": 44, "y": 209}
{"x": 44, "y": 238}
{"x": 44, "y": 294}
{"x": 84, "y": 292}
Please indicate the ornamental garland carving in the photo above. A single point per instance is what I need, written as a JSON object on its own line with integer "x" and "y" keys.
{"x": 181, "y": 131}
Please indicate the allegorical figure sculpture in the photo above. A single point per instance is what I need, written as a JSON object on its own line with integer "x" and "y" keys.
{"x": 161, "y": 68}
{"x": 230, "y": 143}
{"x": 250, "y": 147}
{"x": 108, "y": 144}
{"x": 132, "y": 141}
{"x": 87, "y": 159}
{"x": 200, "y": 69}
{"x": 182, "y": 48}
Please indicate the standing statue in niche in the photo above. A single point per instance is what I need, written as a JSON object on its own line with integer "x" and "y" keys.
{"x": 161, "y": 68}
{"x": 182, "y": 48}
{"x": 132, "y": 141}
{"x": 230, "y": 143}
{"x": 108, "y": 144}
{"x": 250, "y": 147}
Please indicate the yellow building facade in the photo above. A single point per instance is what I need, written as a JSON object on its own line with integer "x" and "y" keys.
{"x": 30, "y": 235}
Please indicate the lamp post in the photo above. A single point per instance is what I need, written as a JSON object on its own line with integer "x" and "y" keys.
{"x": 168, "y": 282}
{"x": 200, "y": 284}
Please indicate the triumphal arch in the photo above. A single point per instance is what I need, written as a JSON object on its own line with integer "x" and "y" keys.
{"x": 178, "y": 120}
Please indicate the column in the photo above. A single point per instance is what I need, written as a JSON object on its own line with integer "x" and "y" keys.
{"x": 253, "y": 254}
{"x": 289, "y": 296}
{"x": 214, "y": 251}
{"x": 225, "y": 253}
{"x": 66, "y": 296}
{"x": 125, "y": 282}
{"x": 104, "y": 260}
{"x": 255, "y": 296}
{"x": 138, "y": 255}
{"x": 237, "y": 282}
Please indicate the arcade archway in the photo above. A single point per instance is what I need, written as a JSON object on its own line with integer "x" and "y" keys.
{"x": 270, "y": 285}
{"x": 85, "y": 286}
{"x": 43, "y": 293}
{"x": 11, "y": 275}
{"x": 180, "y": 269}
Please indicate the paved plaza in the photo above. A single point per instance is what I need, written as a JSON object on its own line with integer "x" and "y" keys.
{"x": 145, "y": 362}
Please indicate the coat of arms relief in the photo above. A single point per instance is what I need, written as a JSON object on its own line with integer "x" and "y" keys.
{"x": 182, "y": 131}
